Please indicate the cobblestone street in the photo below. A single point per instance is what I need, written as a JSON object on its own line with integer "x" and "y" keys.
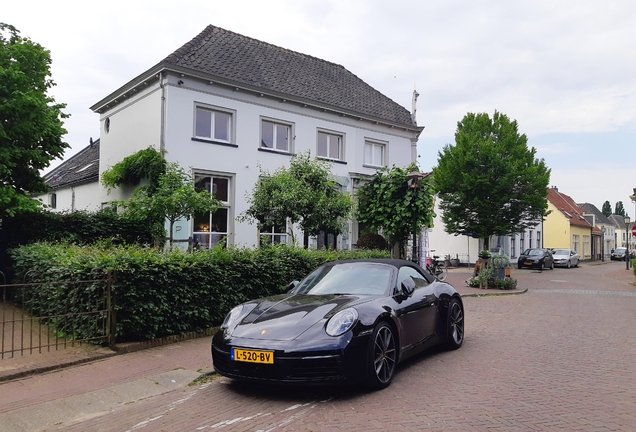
{"x": 558, "y": 357}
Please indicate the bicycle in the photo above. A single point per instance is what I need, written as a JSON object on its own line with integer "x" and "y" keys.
{"x": 437, "y": 269}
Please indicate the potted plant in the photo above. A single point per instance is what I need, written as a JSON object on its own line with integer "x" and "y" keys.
{"x": 499, "y": 264}
{"x": 484, "y": 254}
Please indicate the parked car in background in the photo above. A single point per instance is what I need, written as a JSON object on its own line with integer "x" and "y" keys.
{"x": 536, "y": 258}
{"x": 565, "y": 258}
{"x": 618, "y": 254}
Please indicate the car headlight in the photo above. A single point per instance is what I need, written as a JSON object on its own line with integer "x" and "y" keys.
{"x": 232, "y": 316}
{"x": 342, "y": 322}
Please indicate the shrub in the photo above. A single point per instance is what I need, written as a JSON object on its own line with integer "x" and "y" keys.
{"x": 160, "y": 294}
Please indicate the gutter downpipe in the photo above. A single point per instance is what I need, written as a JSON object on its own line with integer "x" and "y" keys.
{"x": 162, "y": 140}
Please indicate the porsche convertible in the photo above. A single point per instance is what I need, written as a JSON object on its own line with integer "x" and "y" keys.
{"x": 347, "y": 322}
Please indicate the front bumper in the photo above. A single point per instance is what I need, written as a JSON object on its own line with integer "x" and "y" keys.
{"x": 318, "y": 364}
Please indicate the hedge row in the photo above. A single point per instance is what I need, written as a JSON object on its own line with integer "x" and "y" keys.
{"x": 74, "y": 227}
{"x": 161, "y": 294}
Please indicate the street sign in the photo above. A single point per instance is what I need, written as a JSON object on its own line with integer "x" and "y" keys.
{"x": 634, "y": 231}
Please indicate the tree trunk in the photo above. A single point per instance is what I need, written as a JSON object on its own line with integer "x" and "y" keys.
{"x": 486, "y": 243}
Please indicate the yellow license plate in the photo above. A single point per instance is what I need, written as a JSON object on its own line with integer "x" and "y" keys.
{"x": 528, "y": 263}
{"x": 252, "y": 356}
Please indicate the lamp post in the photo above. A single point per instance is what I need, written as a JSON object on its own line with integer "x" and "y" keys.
{"x": 602, "y": 243}
{"x": 413, "y": 180}
{"x": 627, "y": 242}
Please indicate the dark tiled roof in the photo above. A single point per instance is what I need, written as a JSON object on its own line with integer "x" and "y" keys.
{"x": 259, "y": 65}
{"x": 80, "y": 169}
{"x": 599, "y": 216}
{"x": 568, "y": 207}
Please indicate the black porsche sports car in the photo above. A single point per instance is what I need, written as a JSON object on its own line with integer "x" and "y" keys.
{"x": 346, "y": 322}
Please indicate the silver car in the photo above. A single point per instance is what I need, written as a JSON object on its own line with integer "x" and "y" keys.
{"x": 565, "y": 258}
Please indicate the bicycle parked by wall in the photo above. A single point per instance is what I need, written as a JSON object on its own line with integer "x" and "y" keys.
{"x": 436, "y": 268}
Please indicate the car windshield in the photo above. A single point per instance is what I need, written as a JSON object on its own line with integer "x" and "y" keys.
{"x": 535, "y": 252}
{"x": 347, "y": 278}
{"x": 620, "y": 250}
{"x": 561, "y": 252}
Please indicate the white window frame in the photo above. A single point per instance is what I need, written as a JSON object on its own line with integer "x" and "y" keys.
{"x": 214, "y": 112}
{"x": 373, "y": 144}
{"x": 208, "y": 238}
{"x": 272, "y": 234}
{"x": 341, "y": 144}
{"x": 275, "y": 123}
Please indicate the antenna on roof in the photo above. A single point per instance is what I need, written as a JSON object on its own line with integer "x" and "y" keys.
{"x": 90, "y": 141}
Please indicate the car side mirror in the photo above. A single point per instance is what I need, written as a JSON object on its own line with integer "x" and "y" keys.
{"x": 408, "y": 287}
{"x": 292, "y": 285}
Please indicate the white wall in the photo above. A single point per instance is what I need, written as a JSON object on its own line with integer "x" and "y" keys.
{"x": 242, "y": 163}
{"x": 84, "y": 197}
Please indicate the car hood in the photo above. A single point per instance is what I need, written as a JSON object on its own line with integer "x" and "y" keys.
{"x": 289, "y": 316}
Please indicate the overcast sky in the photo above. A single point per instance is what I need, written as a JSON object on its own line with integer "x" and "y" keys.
{"x": 565, "y": 70}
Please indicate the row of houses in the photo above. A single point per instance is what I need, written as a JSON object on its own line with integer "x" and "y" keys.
{"x": 226, "y": 106}
{"x": 581, "y": 227}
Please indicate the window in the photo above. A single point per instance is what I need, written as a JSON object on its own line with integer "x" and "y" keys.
{"x": 273, "y": 233}
{"x": 410, "y": 272}
{"x": 53, "y": 200}
{"x": 538, "y": 239}
{"x": 275, "y": 136}
{"x": 529, "y": 238}
{"x": 214, "y": 125}
{"x": 522, "y": 241}
{"x": 374, "y": 153}
{"x": 211, "y": 229}
{"x": 576, "y": 243}
{"x": 513, "y": 252}
{"x": 330, "y": 146}
{"x": 586, "y": 246}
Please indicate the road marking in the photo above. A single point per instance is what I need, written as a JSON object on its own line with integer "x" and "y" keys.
{"x": 594, "y": 292}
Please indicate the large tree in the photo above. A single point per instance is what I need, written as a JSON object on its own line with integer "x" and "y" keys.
{"x": 489, "y": 182}
{"x": 619, "y": 209}
{"x": 394, "y": 205}
{"x": 31, "y": 126}
{"x": 305, "y": 194}
{"x": 607, "y": 209}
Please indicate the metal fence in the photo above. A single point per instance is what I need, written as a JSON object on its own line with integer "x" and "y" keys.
{"x": 45, "y": 316}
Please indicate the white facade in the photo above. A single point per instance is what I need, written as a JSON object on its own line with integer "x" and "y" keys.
{"x": 83, "y": 197}
{"x": 466, "y": 248}
{"x": 161, "y": 113}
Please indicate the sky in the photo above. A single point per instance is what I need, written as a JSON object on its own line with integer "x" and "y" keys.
{"x": 564, "y": 70}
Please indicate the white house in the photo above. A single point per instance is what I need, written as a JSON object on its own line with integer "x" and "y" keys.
{"x": 74, "y": 184}
{"x": 224, "y": 105}
{"x": 466, "y": 248}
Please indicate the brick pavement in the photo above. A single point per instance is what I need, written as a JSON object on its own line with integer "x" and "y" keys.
{"x": 583, "y": 381}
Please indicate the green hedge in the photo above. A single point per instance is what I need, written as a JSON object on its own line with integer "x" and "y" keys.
{"x": 74, "y": 227}
{"x": 161, "y": 294}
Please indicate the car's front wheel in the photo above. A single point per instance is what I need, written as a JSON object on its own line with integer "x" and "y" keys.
{"x": 382, "y": 357}
{"x": 455, "y": 325}
{"x": 569, "y": 264}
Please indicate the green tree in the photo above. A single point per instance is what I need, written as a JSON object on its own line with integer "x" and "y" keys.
{"x": 31, "y": 126}
{"x": 607, "y": 208}
{"x": 489, "y": 182}
{"x": 174, "y": 197}
{"x": 390, "y": 205}
{"x": 305, "y": 194}
{"x": 619, "y": 209}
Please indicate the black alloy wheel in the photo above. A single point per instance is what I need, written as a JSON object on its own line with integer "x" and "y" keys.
{"x": 542, "y": 266}
{"x": 382, "y": 357}
{"x": 455, "y": 330}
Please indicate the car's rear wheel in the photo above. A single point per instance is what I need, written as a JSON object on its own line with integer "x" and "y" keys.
{"x": 382, "y": 357}
{"x": 455, "y": 329}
